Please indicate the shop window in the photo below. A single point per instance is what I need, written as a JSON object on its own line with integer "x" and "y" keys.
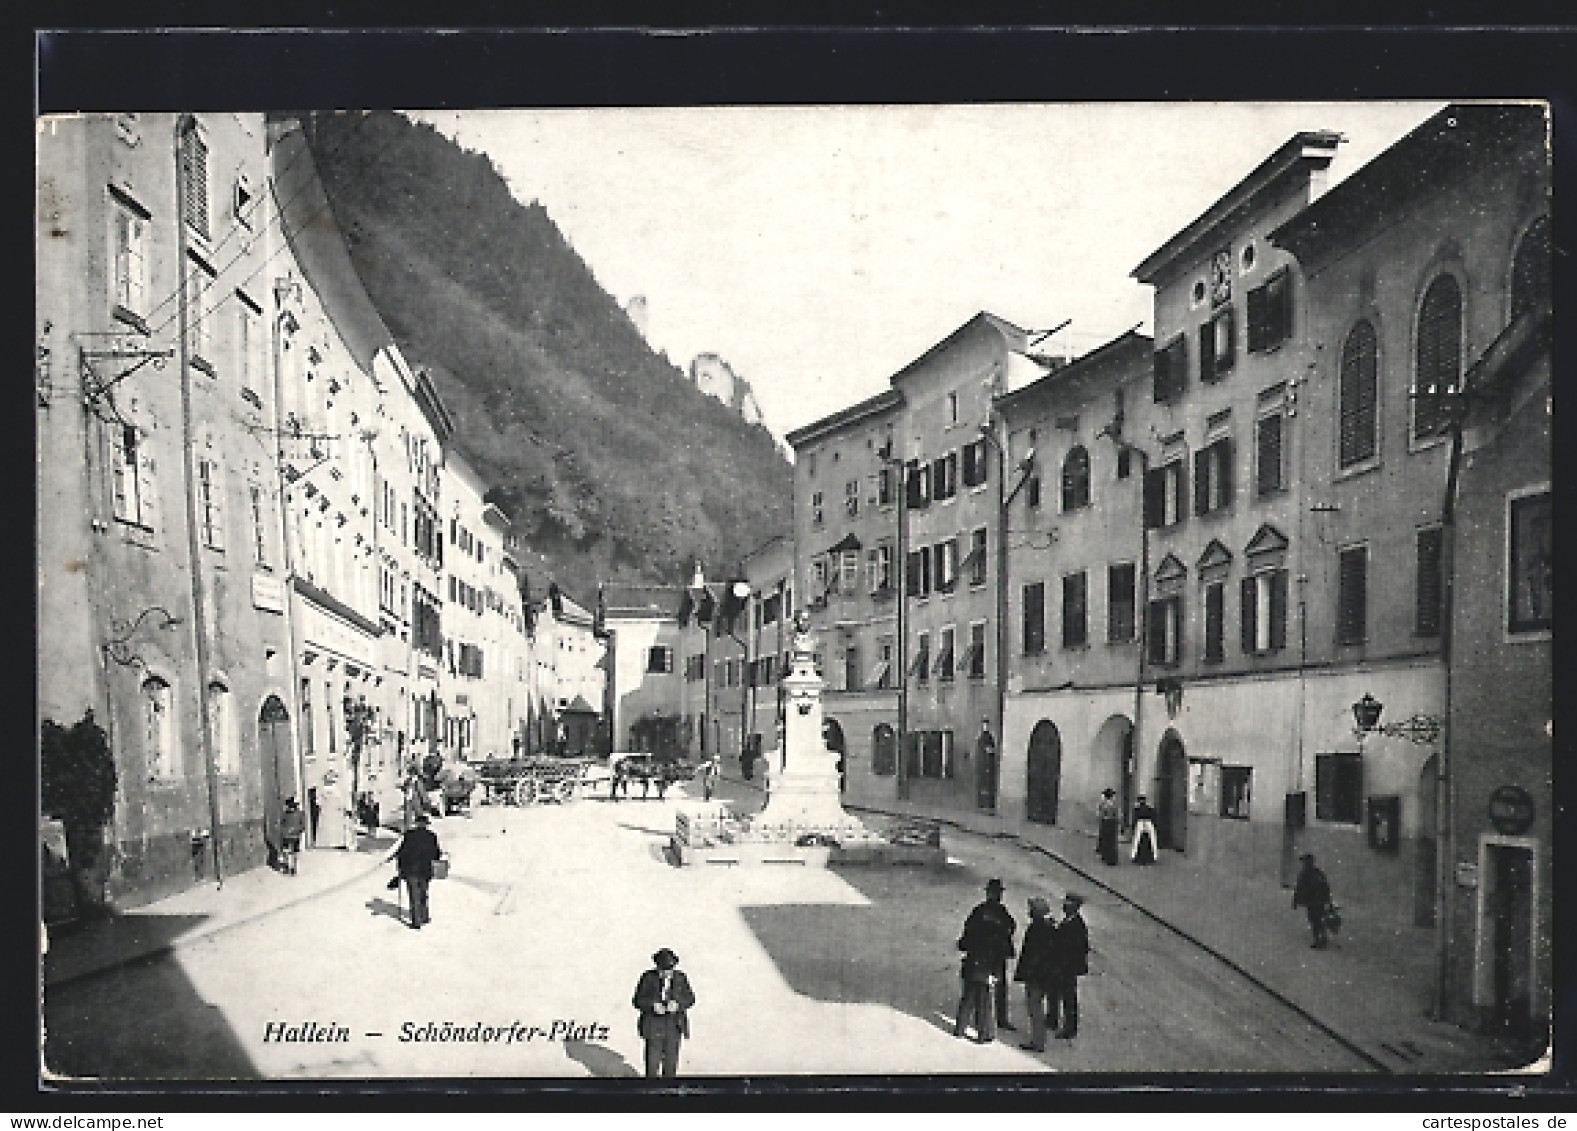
{"x": 1235, "y": 781}
{"x": 1338, "y": 788}
{"x": 1530, "y": 564}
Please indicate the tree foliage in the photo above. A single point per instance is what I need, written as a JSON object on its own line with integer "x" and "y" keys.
{"x": 77, "y": 784}
{"x": 610, "y": 462}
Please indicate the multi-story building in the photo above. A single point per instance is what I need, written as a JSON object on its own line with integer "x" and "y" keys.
{"x": 159, "y": 540}
{"x": 645, "y": 688}
{"x": 1424, "y": 272}
{"x": 569, "y": 657}
{"x": 769, "y": 573}
{"x": 1075, "y": 540}
{"x": 847, "y": 479}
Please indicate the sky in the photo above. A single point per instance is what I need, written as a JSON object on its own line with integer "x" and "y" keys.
{"x": 820, "y": 249}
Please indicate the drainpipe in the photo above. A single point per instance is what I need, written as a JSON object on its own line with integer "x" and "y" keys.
{"x": 1141, "y": 623}
{"x": 1445, "y": 906}
{"x": 287, "y": 561}
{"x": 193, "y": 540}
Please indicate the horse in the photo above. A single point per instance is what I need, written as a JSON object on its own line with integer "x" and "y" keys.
{"x": 649, "y": 770}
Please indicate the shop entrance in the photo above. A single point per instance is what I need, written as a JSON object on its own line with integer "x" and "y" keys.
{"x": 1171, "y": 794}
{"x": 1506, "y": 959}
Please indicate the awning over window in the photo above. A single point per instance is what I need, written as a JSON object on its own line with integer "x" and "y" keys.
{"x": 848, "y": 542}
{"x": 966, "y": 662}
{"x": 878, "y": 676}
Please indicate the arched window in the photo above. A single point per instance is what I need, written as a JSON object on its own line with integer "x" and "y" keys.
{"x": 221, "y": 728}
{"x": 1530, "y": 271}
{"x": 159, "y": 728}
{"x": 1076, "y": 480}
{"x": 1438, "y": 357}
{"x": 1358, "y": 389}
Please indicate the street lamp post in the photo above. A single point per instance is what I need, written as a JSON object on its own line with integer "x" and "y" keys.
{"x": 741, "y": 591}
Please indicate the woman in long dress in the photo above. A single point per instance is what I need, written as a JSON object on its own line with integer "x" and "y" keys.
{"x": 1143, "y": 832}
{"x": 1110, "y": 816}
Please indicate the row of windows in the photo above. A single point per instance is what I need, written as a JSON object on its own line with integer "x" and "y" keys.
{"x": 162, "y": 750}
{"x": 937, "y": 568}
{"x": 1166, "y": 494}
{"x": 927, "y": 753}
{"x": 1269, "y": 324}
{"x": 948, "y": 661}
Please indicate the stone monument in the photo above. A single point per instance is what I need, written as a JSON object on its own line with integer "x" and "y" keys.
{"x": 803, "y": 821}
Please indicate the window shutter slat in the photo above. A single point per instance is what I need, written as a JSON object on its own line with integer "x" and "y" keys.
{"x": 1207, "y": 351}
{"x": 1256, "y": 320}
{"x": 1154, "y": 497}
{"x": 1202, "y": 481}
{"x": 1427, "y": 620}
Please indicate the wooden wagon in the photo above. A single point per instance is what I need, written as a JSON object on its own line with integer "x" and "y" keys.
{"x": 544, "y": 778}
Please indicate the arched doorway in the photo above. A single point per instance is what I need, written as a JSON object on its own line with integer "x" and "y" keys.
{"x": 832, "y": 739}
{"x": 1111, "y": 762}
{"x": 1171, "y": 794}
{"x": 279, "y": 778}
{"x": 1045, "y": 772}
{"x": 884, "y": 751}
{"x": 986, "y": 771}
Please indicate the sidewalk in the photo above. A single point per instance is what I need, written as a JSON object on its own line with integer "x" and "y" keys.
{"x": 1371, "y": 990}
{"x": 81, "y": 949}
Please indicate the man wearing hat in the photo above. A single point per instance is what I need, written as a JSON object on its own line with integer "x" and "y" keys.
{"x": 1036, "y": 971}
{"x": 414, "y": 857}
{"x": 1071, "y": 955}
{"x": 663, "y": 996}
{"x": 1313, "y": 893}
{"x": 987, "y": 943}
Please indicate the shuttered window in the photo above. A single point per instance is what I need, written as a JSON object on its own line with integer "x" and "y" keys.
{"x": 1213, "y": 477}
{"x": 194, "y": 180}
{"x": 1352, "y": 595}
{"x": 1264, "y": 621}
{"x": 1075, "y": 629}
{"x": 1076, "y": 480}
{"x": 1358, "y": 393}
{"x": 1034, "y": 618}
{"x": 1119, "y": 603}
{"x": 1171, "y": 371}
{"x": 1165, "y": 630}
{"x": 1215, "y": 622}
{"x": 1427, "y": 617}
{"x": 1217, "y": 346}
{"x": 1267, "y": 444}
{"x": 1270, "y": 313}
{"x": 1438, "y": 357}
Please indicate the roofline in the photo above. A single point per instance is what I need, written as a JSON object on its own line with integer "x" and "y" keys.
{"x": 882, "y": 401}
{"x": 1304, "y": 152}
{"x": 1076, "y": 367}
{"x": 1301, "y": 234}
{"x": 765, "y": 546}
{"x": 1017, "y": 339}
{"x": 432, "y": 406}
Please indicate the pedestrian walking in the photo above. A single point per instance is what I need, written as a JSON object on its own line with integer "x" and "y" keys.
{"x": 1144, "y": 841}
{"x": 1110, "y": 817}
{"x": 1070, "y": 962}
{"x": 1312, "y": 892}
{"x": 710, "y": 772}
{"x": 987, "y": 943}
{"x": 1036, "y": 970}
{"x": 414, "y": 857}
{"x": 664, "y": 997}
{"x": 292, "y": 827}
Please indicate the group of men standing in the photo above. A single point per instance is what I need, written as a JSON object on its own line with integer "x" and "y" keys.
{"x": 1055, "y": 955}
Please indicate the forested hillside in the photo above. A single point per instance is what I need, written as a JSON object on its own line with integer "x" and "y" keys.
{"x": 612, "y": 464}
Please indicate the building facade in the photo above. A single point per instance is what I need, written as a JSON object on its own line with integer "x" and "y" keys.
{"x": 159, "y": 538}
{"x": 1427, "y": 272}
{"x": 645, "y": 689}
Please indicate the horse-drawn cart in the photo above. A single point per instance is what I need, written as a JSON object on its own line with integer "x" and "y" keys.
{"x": 528, "y": 781}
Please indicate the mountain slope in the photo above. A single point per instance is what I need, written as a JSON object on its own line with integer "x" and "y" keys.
{"x": 612, "y": 464}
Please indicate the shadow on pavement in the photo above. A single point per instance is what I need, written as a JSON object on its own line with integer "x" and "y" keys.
{"x": 599, "y": 1061}
{"x": 380, "y": 906}
{"x": 88, "y": 945}
{"x": 144, "y": 1021}
{"x": 894, "y": 951}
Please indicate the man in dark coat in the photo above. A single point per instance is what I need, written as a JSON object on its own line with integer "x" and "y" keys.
{"x": 987, "y": 943}
{"x": 414, "y": 857}
{"x": 1313, "y": 893}
{"x": 1071, "y": 960}
{"x": 1035, "y": 970}
{"x": 663, "y": 996}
